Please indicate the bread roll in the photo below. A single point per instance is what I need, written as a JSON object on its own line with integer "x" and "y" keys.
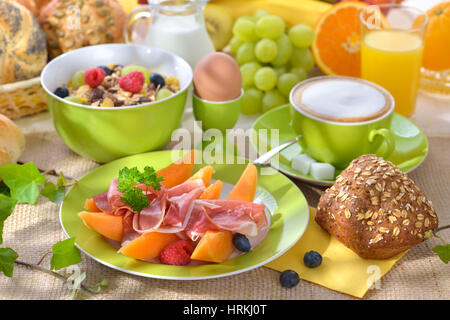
{"x": 30, "y": 5}
{"x": 23, "y": 52}
{"x": 375, "y": 209}
{"x": 12, "y": 141}
{"x": 71, "y": 24}
{"x": 34, "y": 6}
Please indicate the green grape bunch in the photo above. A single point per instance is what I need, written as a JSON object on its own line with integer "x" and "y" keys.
{"x": 273, "y": 58}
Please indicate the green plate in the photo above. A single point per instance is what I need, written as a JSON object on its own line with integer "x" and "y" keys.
{"x": 411, "y": 144}
{"x": 288, "y": 210}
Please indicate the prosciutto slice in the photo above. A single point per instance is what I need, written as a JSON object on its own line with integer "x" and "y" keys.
{"x": 179, "y": 212}
{"x": 151, "y": 217}
{"x": 185, "y": 187}
{"x": 101, "y": 201}
{"x": 238, "y": 216}
{"x": 199, "y": 223}
{"x": 114, "y": 195}
{"x": 128, "y": 231}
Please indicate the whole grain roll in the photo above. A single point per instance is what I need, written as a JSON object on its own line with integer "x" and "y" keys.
{"x": 34, "y": 5}
{"x": 375, "y": 209}
{"x": 12, "y": 141}
{"x": 72, "y": 24}
{"x": 23, "y": 51}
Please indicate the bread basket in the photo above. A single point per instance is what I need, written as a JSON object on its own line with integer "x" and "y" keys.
{"x": 22, "y": 98}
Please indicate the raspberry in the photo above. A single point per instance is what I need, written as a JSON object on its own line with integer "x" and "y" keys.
{"x": 94, "y": 77}
{"x": 132, "y": 82}
{"x": 177, "y": 253}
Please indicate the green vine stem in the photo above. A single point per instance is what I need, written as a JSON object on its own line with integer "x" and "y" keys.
{"x": 442, "y": 228}
{"x": 52, "y": 273}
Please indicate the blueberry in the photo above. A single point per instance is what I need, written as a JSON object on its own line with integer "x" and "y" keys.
{"x": 241, "y": 242}
{"x": 312, "y": 259}
{"x": 289, "y": 278}
{"x": 107, "y": 70}
{"x": 157, "y": 80}
{"x": 62, "y": 92}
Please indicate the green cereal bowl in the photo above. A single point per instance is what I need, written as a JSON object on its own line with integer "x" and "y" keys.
{"x": 104, "y": 134}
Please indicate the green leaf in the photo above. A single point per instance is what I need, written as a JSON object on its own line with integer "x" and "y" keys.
{"x": 443, "y": 251}
{"x": 55, "y": 194}
{"x": 23, "y": 181}
{"x": 97, "y": 287}
{"x": 4, "y": 189}
{"x": 77, "y": 284}
{"x": 7, "y": 258}
{"x": 7, "y": 205}
{"x": 61, "y": 181}
{"x": 65, "y": 254}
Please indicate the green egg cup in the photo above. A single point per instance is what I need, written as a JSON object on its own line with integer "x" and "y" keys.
{"x": 221, "y": 115}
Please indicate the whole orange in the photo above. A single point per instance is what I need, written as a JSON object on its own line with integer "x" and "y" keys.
{"x": 437, "y": 39}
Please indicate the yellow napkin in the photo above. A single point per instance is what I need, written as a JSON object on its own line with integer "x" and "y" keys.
{"x": 341, "y": 269}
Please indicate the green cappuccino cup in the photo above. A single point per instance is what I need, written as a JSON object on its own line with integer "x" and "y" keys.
{"x": 341, "y": 118}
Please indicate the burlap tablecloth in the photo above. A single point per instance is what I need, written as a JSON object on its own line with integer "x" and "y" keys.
{"x": 32, "y": 230}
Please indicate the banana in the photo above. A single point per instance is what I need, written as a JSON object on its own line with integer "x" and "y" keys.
{"x": 292, "y": 11}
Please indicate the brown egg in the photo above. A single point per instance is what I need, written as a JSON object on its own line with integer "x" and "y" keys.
{"x": 217, "y": 78}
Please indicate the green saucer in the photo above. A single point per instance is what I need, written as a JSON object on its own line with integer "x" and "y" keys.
{"x": 411, "y": 144}
{"x": 286, "y": 206}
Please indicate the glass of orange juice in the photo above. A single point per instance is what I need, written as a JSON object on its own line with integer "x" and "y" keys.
{"x": 392, "y": 41}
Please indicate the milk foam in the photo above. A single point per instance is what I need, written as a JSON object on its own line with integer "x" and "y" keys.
{"x": 343, "y": 99}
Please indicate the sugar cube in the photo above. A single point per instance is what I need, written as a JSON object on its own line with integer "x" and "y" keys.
{"x": 302, "y": 163}
{"x": 290, "y": 152}
{"x": 322, "y": 171}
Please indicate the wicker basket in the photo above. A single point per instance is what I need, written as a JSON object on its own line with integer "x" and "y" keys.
{"x": 22, "y": 98}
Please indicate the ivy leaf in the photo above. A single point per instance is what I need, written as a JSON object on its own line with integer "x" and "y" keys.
{"x": 77, "y": 284}
{"x": 4, "y": 189}
{"x": 443, "y": 251}
{"x": 64, "y": 254}
{"x": 55, "y": 194}
{"x": 7, "y": 258}
{"x": 61, "y": 181}
{"x": 23, "y": 181}
{"x": 97, "y": 287}
{"x": 7, "y": 205}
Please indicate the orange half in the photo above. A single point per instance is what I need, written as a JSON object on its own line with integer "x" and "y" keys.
{"x": 336, "y": 48}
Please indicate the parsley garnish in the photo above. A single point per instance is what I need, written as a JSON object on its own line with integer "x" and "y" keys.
{"x": 129, "y": 179}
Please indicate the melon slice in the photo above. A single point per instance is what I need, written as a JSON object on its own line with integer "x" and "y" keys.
{"x": 106, "y": 224}
{"x": 148, "y": 245}
{"x": 245, "y": 188}
{"x": 90, "y": 205}
{"x": 214, "y": 246}
{"x": 178, "y": 172}
{"x": 213, "y": 191}
{"x": 205, "y": 174}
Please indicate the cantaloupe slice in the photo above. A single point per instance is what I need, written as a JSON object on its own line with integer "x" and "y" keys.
{"x": 90, "y": 205}
{"x": 205, "y": 174}
{"x": 213, "y": 191}
{"x": 106, "y": 224}
{"x": 214, "y": 246}
{"x": 148, "y": 245}
{"x": 179, "y": 171}
{"x": 245, "y": 188}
